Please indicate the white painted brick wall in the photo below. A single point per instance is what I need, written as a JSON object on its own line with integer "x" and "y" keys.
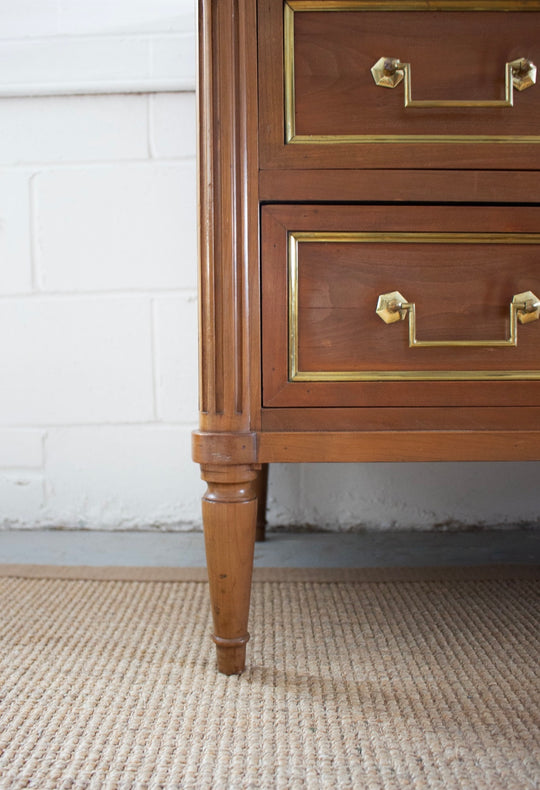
{"x": 21, "y": 448}
{"x": 73, "y": 129}
{"x": 173, "y": 121}
{"x": 75, "y": 360}
{"x": 52, "y": 47}
{"x": 121, "y": 477}
{"x": 175, "y": 357}
{"x": 28, "y": 18}
{"x": 98, "y": 360}
{"x": 98, "y": 312}
{"x": 414, "y": 496}
{"x": 15, "y": 255}
{"x": 119, "y": 227}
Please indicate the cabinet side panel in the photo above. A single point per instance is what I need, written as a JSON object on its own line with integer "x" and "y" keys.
{"x": 228, "y": 210}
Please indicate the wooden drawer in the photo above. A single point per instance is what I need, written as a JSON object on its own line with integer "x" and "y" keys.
{"x": 321, "y": 107}
{"x": 324, "y": 268}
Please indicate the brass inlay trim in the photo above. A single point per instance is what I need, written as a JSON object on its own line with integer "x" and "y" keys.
{"x": 288, "y": 54}
{"x": 414, "y": 5}
{"x": 416, "y": 237}
{"x": 423, "y": 375}
{"x": 293, "y": 6}
{"x": 341, "y": 139}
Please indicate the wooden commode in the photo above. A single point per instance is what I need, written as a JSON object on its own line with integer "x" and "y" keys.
{"x": 369, "y": 249}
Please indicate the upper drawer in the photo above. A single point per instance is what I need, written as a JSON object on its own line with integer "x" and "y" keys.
{"x": 465, "y": 95}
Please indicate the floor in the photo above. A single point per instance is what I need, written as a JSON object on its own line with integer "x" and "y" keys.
{"x": 330, "y": 550}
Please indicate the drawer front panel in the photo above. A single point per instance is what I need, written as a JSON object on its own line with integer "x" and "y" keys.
{"x": 455, "y": 83}
{"x": 455, "y": 271}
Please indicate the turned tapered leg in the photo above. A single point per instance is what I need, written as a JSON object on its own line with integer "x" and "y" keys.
{"x": 229, "y": 518}
{"x": 261, "y": 489}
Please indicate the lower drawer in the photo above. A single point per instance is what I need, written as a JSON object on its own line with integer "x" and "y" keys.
{"x": 400, "y": 305}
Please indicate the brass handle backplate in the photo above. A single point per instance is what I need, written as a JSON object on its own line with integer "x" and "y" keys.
{"x": 392, "y": 307}
{"x": 389, "y": 72}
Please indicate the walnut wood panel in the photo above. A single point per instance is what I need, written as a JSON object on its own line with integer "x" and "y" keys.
{"x": 229, "y": 316}
{"x": 350, "y": 394}
{"x": 335, "y": 93}
{"x": 228, "y": 211}
{"x": 389, "y": 186}
{"x": 397, "y": 419}
{"x": 338, "y": 285}
{"x": 392, "y": 446}
{"x": 453, "y": 55}
{"x": 461, "y": 292}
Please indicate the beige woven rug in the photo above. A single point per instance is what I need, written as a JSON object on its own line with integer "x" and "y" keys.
{"x": 389, "y": 680}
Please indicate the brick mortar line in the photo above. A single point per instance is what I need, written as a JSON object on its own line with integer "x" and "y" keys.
{"x": 33, "y": 234}
{"x": 154, "y": 351}
{"x": 118, "y": 36}
{"x": 124, "y": 294}
{"x": 51, "y": 90}
{"x": 150, "y": 127}
{"x": 36, "y": 471}
{"x": 38, "y": 167}
{"x": 190, "y": 425}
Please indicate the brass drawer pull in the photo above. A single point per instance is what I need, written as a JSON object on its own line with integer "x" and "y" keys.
{"x": 392, "y": 307}
{"x": 389, "y": 72}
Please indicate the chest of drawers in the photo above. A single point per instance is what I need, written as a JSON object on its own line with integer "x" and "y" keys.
{"x": 369, "y": 248}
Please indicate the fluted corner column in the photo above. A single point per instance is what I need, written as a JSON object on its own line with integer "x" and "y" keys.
{"x": 226, "y": 443}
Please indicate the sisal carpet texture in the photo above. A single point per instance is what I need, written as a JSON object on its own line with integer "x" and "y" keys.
{"x": 379, "y": 684}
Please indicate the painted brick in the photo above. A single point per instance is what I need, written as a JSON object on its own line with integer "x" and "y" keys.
{"x": 21, "y": 499}
{"x": 80, "y": 17}
{"x": 419, "y": 496}
{"x": 284, "y": 507}
{"x": 174, "y": 125}
{"x": 15, "y": 261}
{"x": 75, "y": 361}
{"x": 74, "y": 60}
{"x": 117, "y": 227}
{"x": 26, "y": 18}
{"x": 20, "y": 449}
{"x": 122, "y": 477}
{"x": 73, "y": 129}
{"x": 96, "y": 64}
{"x": 176, "y": 357}
{"x": 50, "y": 47}
{"x": 175, "y": 55}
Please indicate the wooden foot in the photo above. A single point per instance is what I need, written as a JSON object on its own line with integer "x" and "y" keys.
{"x": 229, "y": 518}
{"x": 261, "y": 489}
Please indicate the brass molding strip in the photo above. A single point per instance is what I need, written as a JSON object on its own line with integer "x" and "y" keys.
{"x": 292, "y": 262}
{"x": 293, "y": 6}
{"x": 414, "y": 5}
{"x": 288, "y": 55}
{"x": 422, "y": 375}
{"x": 341, "y": 139}
{"x": 415, "y": 237}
